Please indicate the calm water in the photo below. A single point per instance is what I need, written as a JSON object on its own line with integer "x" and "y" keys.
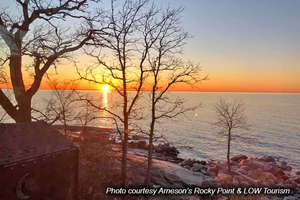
{"x": 274, "y": 119}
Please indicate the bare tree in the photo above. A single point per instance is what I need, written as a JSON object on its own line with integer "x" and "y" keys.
{"x": 61, "y": 105}
{"x": 166, "y": 70}
{"x": 35, "y": 33}
{"x": 125, "y": 72}
{"x": 87, "y": 113}
{"x": 231, "y": 122}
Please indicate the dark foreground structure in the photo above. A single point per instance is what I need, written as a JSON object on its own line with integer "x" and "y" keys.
{"x": 37, "y": 162}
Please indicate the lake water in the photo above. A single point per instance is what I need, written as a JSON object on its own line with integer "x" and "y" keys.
{"x": 274, "y": 119}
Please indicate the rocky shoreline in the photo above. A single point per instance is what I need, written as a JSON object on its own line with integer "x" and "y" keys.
{"x": 246, "y": 172}
{"x": 170, "y": 171}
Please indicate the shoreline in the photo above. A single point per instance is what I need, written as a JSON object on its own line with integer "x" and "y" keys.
{"x": 173, "y": 172}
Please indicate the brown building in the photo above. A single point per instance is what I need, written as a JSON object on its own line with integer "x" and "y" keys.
{"x": 36, "y": 163}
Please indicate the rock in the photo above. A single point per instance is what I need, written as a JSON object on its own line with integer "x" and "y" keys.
{"x": 225, "y": 177}
{"x": 264, "y": 198}
{"x": 272, "y": 168}
{"x": 197, "y": 167}
{"x": 202, "y": 162}
{"x": 244, "y": 162}
{"x": 288, "y": 168}
{"x": 244, "y": 184}
{"x": 294, "y": 184}
{"x": 280, "y": 185}
{"x": 238, "y": 157}
{"x": 208, "y": 183}
{"x": 290, "y": 198}
{"x": 271, "y": 182}
{"x": 245, "y": 167}
{"x": 187, "y": 162}
{"x": 166, "y": 174}
{"x": 269, "y": 175}
{"x": 265, "y": 184}
{"x": 142, "y": 144}
{"x": 253, "y": 175}
{"x": 135, "y": 137}
{"x": 297, "y": 180}
{"x": 234, "y": 163}
{"x": 283, "y": 165}
{"x": 187, "y": 167}
{"x": 157, "y": 149}
{"x": 256, "y": 164}
{"x": 212, "y": 174}
{"x": 281, "y": 173}
{"x": 238, "y": 178}
{"x": 213, "y": 170}
{"x": 218, "y": 185}
{"x": 268, "y": 159}
{"x": 203, "y": 171}
{"x": 298, "y": 173}
{"x": 224, "y": 171}
{"x": 242, "y": 171}
{"x": 235, "y": 184}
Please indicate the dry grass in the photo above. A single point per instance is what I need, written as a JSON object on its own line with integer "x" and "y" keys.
{"x": 98, "y": 169}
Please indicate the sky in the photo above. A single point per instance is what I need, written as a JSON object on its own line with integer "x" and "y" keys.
{"x": 244, "y": 46}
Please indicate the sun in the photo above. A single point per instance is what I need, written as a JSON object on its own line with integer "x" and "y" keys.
{"x": 105, "y": 88}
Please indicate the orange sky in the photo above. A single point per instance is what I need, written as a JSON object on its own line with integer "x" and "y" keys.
{"x": 244, "y": 46}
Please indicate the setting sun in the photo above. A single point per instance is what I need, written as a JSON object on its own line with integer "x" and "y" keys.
{"x": 105, "y": 88}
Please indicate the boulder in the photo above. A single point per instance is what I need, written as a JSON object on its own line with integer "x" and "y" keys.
{"x": 253, "y": 175}
{"x": 235, "y": 184}
{"x": 290, "y": 198}
{"x": 187, "y": 167}
{"x": 187, "y": 162}
{"x": 225, "y": 177}
{"x": 272, "y": 168}
{"x": 157, "y": 149}
{"x": 283, "y": 165}
{"x": 238, "y": 157}
{"x": 244, "y": 162}
{"x": 202, "y": 162}
{"x": 242, "y": 171}
{"x": 213, "y": 169}
{"x": 197, "y": 167}
{"x": 280, "y": 185}
{"x": 297, "y": 180}
{"x": 244, "y": 184}
{"x": 267, "y": 159}
{"x": 271, "y": 182}
{"x": 264, "y": 198}
{"x": 208, "y": 183}
{"x": 245, "y": 167}
{"x": 238, "y": 178}
{"x": 166, "y": 174}
{"x": 142, "y": 144}
{"x": 256, "y": 164}
{"x": 288, "y": 168}
{"x": 269, "y": 175}
{"x": 212, "y": 174}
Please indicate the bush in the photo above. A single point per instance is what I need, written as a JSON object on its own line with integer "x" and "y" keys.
{"x": 98, "y": 169}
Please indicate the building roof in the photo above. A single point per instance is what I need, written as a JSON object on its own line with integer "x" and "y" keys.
{"x": 22, "y": 141}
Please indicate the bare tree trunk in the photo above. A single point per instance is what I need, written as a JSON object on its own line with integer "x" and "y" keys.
{"x": 22, "y": 98}
{"x": 150, "y": 151}
{"x": 228, "y": 151}
{"x": 124, "y": 153}
{"x": 150, "y": 154}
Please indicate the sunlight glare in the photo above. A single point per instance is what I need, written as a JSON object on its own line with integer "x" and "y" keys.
{"x": 105, "y": 88}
